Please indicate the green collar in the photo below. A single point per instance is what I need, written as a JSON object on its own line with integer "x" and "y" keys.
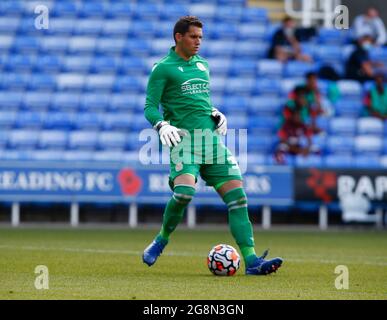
{"x": 174, "y": 55}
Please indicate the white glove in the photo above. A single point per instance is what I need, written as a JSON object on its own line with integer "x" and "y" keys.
{"x": 169, "y": 135}
{"x": 221, "y": 121}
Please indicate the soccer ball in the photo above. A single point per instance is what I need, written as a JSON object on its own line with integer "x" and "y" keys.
{"x": 223, "y": 260}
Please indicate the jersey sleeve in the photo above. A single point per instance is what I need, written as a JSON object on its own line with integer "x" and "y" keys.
{"x": 154, "y": 91}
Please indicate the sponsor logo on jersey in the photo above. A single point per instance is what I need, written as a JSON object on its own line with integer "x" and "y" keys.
{"x": 181, "y": 69}
{"x": 195, "y": 86}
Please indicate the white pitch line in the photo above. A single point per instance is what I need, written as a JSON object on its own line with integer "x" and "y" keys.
{"x": 182, "y": 254}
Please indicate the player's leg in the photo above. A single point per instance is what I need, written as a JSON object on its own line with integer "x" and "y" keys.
{"x": 233, "y": 194}
{"x": 183, "y": 192}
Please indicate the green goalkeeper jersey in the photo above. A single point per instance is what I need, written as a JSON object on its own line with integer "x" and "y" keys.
{"x": 182, "y": 88}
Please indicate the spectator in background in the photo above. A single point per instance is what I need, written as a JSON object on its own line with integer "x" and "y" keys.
{"x": 294, "y": 134}
{"x": 285, "y": 44}
{"x": 359, "y": 65}
{"x": 370, "y": 24}
{"x": 376, "y": 99}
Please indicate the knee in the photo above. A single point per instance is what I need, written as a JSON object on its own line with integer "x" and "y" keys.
{"x": 183, "y": 194}
{"x": 235, "y": 199}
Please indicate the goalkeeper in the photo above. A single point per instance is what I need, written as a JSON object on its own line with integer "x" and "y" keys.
{"x": 180, "y": 83}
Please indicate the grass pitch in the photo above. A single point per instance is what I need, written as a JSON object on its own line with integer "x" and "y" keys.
{"x": 106, "y": 264}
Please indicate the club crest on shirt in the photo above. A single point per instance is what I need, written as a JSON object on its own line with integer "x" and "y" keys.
{"x": 179, "y": 167}
{"x": 201, "y": 66}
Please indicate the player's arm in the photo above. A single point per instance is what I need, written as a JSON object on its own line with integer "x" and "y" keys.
{"x": 169, "y": 135}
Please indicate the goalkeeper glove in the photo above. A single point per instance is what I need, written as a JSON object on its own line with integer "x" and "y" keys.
{"x": 220, "y": 120}
{"x": 169, "y": 135}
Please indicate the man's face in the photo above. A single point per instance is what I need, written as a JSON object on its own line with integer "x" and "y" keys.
{"x": 312, "y": 83}
{"x": 372, "y": 13}
{"x": 190, "y": 42}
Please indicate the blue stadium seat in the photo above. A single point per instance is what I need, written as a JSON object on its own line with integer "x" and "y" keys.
{"x": 88, "y": 26}
{"x": 206, "y": 12}
{"x": 25, "y": 45}
{"x": 23, "y": 139}
{"x": 49, "y": 64}
{"x": 228, "y": 14}
{"x": 174, "y": 12}
{"x": 219, "y": 67}
{"x": 10, "y": 100}
{"x": 124, "y": 102}
{"x": 78, "y": 155}
{"x": 30, "y": 120}
{"x": 340, "y": 144}
{"x": 223, "y": 31}
{"x": 80, "y": 64}
{"x": 251, "y": 50}
{"x": 239, "y": 86}
{"x": 59, "y": 120}
{"x": 350, "y": 88}
{"x": 53, "y": 139}
{"x": 146, "y": 11}
{"x": 383, "y": 161}
{"x": 99, "y": 83}
{"x": 89, "y": 9}
{"x": 55, "y": 45}
{"x": 379, "y": 54}
{"x": 20, "y": 63}
{"x": 16, "y": 154}
{"x": 6, "y": 42}
{"x": 237, "y": 121}
{"x": 14, "y": 81}
{"x": 119, "y": 9}
{"x": 62, "y": 26}
{"x": 234, "y": 103}
{"x": 104, "y": 64}
{"x": 267, "y": 87}
{"x": 368, "y": 144}
{"x": 110, "y": 46}
{"x": 251, "y": 32}
{"x": 36, "y": 101}
{"x": 288, "y": 85}
{"x": 11, "y": 8}
{"x": 108, "y": 156}
{"x": 309, "y": 161}
{"x": 370, "y": 125}
{"x": 140, "y": 48}
{"x": 139, "y": 122}
{"x": 118, "y": 121}
{"x": 9, "y": 24}
{"x": 270, "y": 68}
{"x": 42, "y": 82}
{"x": 329, "y": 54}
{"x": 64, "y": 9}
{"x": 254, "y": 158}
{"x": 70, "y": 81}
{"x": 338, "y": 161}
{"x": 266, "y": 106}
{"x": 254, "y": 15}
{"x": 83, "y": 140}
{"x": 332, "y": 36}
{"x": 340, "y": 126}
{"x": 368, "y": 161}
{"x": 144, "y": 29}
{"x": 118, "y": 27}
{"x": 262, "y": 125}
{"x": 261, "y": 144}
{"x": 7, "y": 119}
{"x": 65, "y": 102}
{"x": 133, "y": 66}
{"x": 218, "y": 85}
{"x": 4, "y": 136}
{"x": 127, "y": 84}
{"x": 89, "y": 121}
{"x": 82, "y": 44}
{"x": 47, "y": 155}
{"x": 95, "y": 102}
{"x": 219, "y": 48}
{"x": 112, "y": 140}
{"x": 349, "y": 107}
{"x": 298, "y": 69}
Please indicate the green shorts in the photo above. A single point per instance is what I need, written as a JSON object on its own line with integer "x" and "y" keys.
{"x": 215, "y": 163}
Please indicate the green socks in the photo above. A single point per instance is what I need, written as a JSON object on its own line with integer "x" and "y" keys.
{"x": 174, "y": 211}
{"x": 240, "y": 224}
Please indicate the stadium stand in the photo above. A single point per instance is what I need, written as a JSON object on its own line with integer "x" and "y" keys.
{"x": 79, "y": 86}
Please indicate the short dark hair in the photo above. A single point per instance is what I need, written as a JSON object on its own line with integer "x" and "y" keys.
{"x": 311, "y": 74}
{"x": 183, "y": 24}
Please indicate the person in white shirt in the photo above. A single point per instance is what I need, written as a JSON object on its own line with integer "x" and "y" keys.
{"x": 371, "y": 24}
